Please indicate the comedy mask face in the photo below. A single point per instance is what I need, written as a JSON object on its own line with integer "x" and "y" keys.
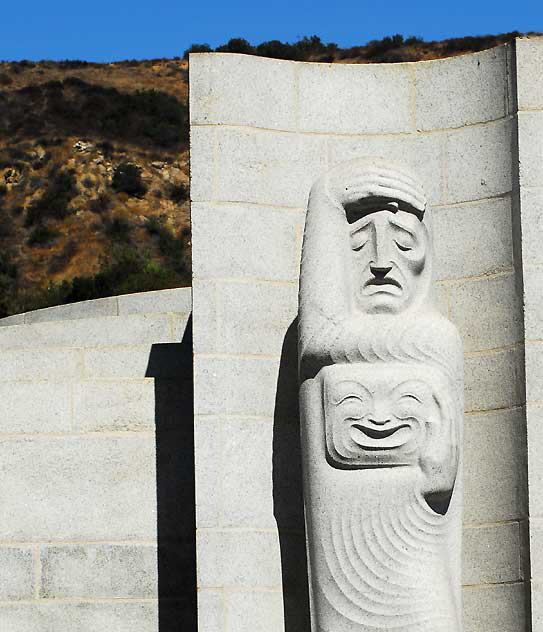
{"x": 390, "y": 249}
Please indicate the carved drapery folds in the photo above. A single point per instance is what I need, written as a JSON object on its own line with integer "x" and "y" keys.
{"x": 381, "y": 400}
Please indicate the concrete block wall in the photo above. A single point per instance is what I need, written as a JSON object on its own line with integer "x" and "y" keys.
{"x": 82, "y": 416}
{"x": 261, "y": 132}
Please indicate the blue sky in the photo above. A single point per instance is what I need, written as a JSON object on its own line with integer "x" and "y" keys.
{"x": 111, "y": 30}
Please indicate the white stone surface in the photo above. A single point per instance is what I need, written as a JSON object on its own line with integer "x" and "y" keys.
{"x": 17, "y": 573}
{"x": 326, "y": 105}
{"x": 114, "y": 571}
{"x": 491, "y": 555}
{"x": 218, "y": 92}
{"x": 479, "y": 162}
{"x": 445, "y": 90}
{"x": 529, "y": 60}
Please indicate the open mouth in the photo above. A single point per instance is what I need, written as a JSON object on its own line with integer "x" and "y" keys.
{"x": 372, "y": 433}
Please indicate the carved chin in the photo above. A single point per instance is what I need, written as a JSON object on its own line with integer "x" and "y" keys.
{"x": 379, "y": 299}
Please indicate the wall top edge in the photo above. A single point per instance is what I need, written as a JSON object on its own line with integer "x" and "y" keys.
{"x": 241, "y": 57}
{"x": 175, "y": 300}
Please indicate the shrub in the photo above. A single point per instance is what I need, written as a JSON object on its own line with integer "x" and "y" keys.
{"x": 5, "y": 79}
{"x": 170, "y": 246}
{"x": 88, "y": 182}
{"x": 178, "y": 192}
{"x": 42, "y": 235}
{"x": 197, "y": 48}
{"x": 3, "y": 190}
{"x": 118, "y": 229}
{"x": 236, "y": 45}
{"x": 100, "y": 204}
{"x": 127, "y": 179}
{"x": 55, "y": 199}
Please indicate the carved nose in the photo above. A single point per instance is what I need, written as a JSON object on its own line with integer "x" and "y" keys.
{"x": 380, "y": 271}
{"x": 379, "y": 422}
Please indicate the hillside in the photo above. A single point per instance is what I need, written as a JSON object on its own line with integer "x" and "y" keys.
{"x": 94, "y": 168}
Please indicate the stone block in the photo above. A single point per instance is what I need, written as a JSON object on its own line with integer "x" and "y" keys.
{"x": 534, "y": 371}
{"x": 35, "y": 407}
{"x": 423, "y": 153}
{"x": 242, "y": 559}
{"x": 202, "y": 162}
{"x": 353, "y": 99}
{"x": 268, "y": 246}
{"x": 84, "y": 333}
{"x": 175, "y": 300}
{"x": 209, "y": 472}
{"x": 100, "y": 571}
{"x": 479, "y": 162}
{"x": 530, "y": 141}
{"x": 210, "y": 611}
{"x": 131, "y": 362}
{"x": 536, "y": 549}
{"x": 491, "y": 555}
{"x": 534, "y": 416}
{"x": 253, "y": 317}
{"x": 493, "y": 380}
{"x": 533, "y": 302}
{"x": 206, "y": 323}
{"x": 96, "y": 308}
{"x": 529, "y": 61}
{"x": 243, "y": 386}
{"x": 255, "y": 612}
{"x": 78, "y": 488}
{"x": 267, "y": 167}
{"x": 230, "y": 89}
{"x": 49, "y": 365}
{"x": 495, "y": 607}
{"x": 494, "y": 467}
{"x": 498, "y": 324}
{"x": 114, "y": 405}
{"x": 9, "y": 321}
{"x": 80, "y": 617}
{"x": 472, "y": 239}
{"x": 461, "y": 90}
{"x": 247, "y": 498}
{"x": 532, "y": 221}
{"x": 16, "y": 574}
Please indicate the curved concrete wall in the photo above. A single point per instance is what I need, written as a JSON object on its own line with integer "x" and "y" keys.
{"x": 261, "y": 132}
{"x": 91, "y": 395}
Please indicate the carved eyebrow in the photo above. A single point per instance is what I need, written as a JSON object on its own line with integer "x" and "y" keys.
{"x": 403, "y": 227}
{"x": 340, "y": 392}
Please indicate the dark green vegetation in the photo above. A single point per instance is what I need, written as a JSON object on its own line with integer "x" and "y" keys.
{"x": 394, "y": 48}
{"x": 147, "y": 118}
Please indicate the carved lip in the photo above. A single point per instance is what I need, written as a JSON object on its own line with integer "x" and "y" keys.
{"x": 383, "y": 281}
{"x": 380, "y": 439}
{"x": 373, "y": 433}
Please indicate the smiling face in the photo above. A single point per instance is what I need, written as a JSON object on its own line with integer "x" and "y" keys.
{"x": 390, "y": 250}
{"x": 375, "y": 416}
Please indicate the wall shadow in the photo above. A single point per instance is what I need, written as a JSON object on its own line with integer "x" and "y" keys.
{"x": 287, "y": 488}
{"x": 171, "y": 367}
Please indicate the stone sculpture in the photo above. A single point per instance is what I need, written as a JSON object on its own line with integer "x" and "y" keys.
{"x": 381, "y": 401}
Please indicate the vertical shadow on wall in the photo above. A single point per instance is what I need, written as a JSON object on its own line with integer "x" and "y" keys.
{"x": 171, "y": 367}
{"x": 287, "y": 488}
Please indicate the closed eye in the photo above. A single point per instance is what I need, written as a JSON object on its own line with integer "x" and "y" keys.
{"x": 410, "y": 396}
{"x": 403, "y": 248}
{"x": 350, "y": 399}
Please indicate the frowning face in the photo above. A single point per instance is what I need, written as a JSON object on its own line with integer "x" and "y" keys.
{"x": 380, "y": 415}
{"x": 390, "y": 251}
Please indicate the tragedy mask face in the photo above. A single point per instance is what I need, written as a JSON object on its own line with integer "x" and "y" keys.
{"x": 380, "y": 415}
{"x": 389, "y": 256}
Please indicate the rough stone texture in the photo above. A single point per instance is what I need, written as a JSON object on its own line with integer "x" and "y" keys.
{"x": 17, "y": 573}
{"x": 529, "y": 59}
{"x": 103, "y": 571}
{"x": 491, "y": 555}
{"x": 441, "y": 85}
{"x": 79, "y": 460}
{"x": 251, "y": 169}
{"x": 326, "y": 105}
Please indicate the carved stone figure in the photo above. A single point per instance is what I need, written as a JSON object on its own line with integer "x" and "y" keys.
{"x": 381, "y": 402}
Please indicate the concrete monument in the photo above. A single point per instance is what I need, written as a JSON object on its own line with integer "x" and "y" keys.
{"x": 381, "y": 402}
